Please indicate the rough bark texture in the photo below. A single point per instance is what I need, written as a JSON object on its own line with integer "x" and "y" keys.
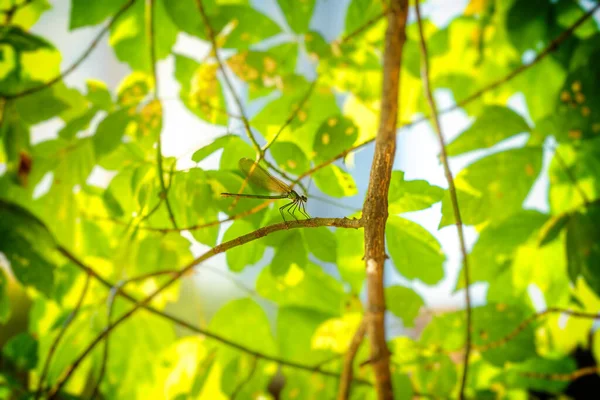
{"x": 375, "y": 210}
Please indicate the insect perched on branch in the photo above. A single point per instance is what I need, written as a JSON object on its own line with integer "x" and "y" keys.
{"x": 261, "y": 178}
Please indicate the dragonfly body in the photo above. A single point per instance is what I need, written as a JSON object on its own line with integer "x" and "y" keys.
{"x": 260, "y": 177}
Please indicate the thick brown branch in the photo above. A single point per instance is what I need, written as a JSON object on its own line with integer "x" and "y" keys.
{"x": 375, "y": 210}
{"x": 453, "y": 197}
{"x": 221, "y": 248}
{"x": 348, "y": 371}
{"x": 77, "y": 63}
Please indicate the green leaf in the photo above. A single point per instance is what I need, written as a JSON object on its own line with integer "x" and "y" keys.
{"x": 415, "y": 252}
{"x": 22, "y": 350}
{"x": 488, "y": 190}
{"x": 40, "y": 106}
{"x": 527, "y": 24}
{"x": 516, "y": 376}
{"x": 21, "y": 40}
{"x": 404, "y": 303}
{"x": 308, "y": 287}
{"x": 289, "y": 157}
{"x": 583, "y": 246}
{"x": 494, "y": 124}
{"x": 576, "y": 169}
{"x": 335, "y": 135}
{"x": 334, "y": 181}
{"x": 359, "y": 12}
{"x": 244, "y": 322}
{"x": 201, "y": 91}
{"x": 439, "y": 380}
{"x": 77, "y": 124}
{"x": 406, "y": 196}
{"x": 350, "y": 263}
{"x": 85, "y": 13}
{"x": 110, "y": 132}
{"x": 291, "y": 254}
{"x": 402, "y": 385}
{"x": 297, "y": 13}
{"x": 295, "y": 330}
{"x": 577, "y": 110}
{"x": 4, "y": 299}
{"x": 240, "y": 257}
{"x": 497, "y": 243}
{"x": 99, "y": 95}
{"x": 490, "y": 323}
{"x": 129, "y": 38}
{"x": 28, "y": 246}
{"x": 552, "y": 229}
{"x": 322, "y": 243}
{"x": 155, "y": 253}
{"x": 210, "y": 148}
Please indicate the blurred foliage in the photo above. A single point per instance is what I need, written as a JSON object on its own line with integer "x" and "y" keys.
{"x": 304, "y": 305}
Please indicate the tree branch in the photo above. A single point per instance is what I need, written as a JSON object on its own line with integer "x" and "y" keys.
{"x": 375, "y": 210}
{"x": 221, "y": 248}
{"x": 555, "y": 44}
{"x": 348, "y": 371}
{"x": 60, "y": 335}
{"x": 76, "y": 64}
{"x": 453, "y": 197}
{"x": 525, "y": 323}
{"x": 580, "y": 373}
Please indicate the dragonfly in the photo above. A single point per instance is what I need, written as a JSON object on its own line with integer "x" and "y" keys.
{"x": 261, "y": 178}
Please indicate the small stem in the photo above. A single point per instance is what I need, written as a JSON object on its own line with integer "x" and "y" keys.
{"x": 453, "y": 196}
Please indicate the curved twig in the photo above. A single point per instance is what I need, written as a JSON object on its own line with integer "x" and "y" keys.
{"x": 453, "y": 197}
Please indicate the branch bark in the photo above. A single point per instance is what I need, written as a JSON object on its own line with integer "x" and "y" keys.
{"x": 375, "y": 210}
{"x": 453, "y": 197}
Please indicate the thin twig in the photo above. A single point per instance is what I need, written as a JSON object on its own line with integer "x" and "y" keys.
{"x": 580, "y": 373}
{"x": 243, "y": 382}
{"x": 525, "y": 323}
{"x": 452, "y": 190}
{"x": 348, "y": 371}
{"x": 9, "y": 13}
{"x": 61, "y": 334}
{"x": 571, "y": 177}
{"x": 292, "y": 116}
{"x": 77, "y": 63}
{"x": 375, "y": 209}
{"x": 221, "y": 248}
{"x": 159, "y": 158}
{"x": 111, "y": 303}
{"x": 474, "y": 96}
{"x": 362, "y": 28}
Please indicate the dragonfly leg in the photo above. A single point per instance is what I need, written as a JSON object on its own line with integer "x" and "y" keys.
{"x": 303, "y": 210}
{"x": 291, "y": 210}
{"x": 283, "y": 208}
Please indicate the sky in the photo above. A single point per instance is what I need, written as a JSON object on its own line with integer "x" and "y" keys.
{"x": 183, "y": 133}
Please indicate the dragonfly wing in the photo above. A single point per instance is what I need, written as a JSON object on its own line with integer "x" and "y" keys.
{"x": 261, "y": 178}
